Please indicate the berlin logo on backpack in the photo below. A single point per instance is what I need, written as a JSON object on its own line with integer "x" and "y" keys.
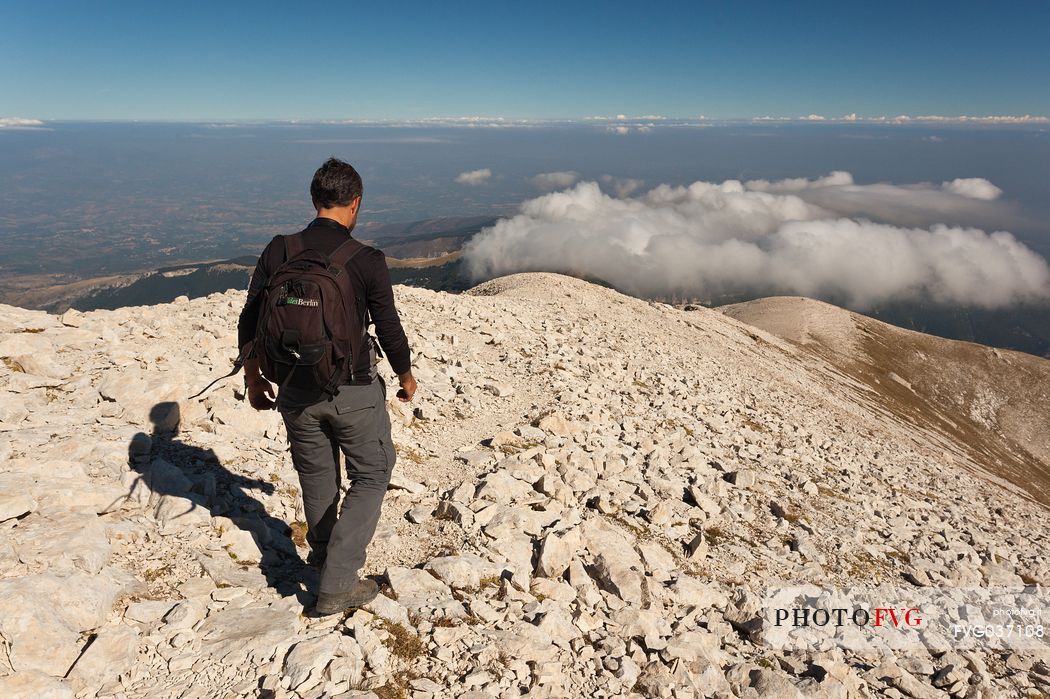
{"x": 310, "y": 327}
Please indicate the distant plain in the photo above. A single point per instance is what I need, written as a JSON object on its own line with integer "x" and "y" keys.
{"x": 86, "y": 207}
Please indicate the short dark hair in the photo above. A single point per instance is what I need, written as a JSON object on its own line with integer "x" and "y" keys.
{"x": 336, "y": 183}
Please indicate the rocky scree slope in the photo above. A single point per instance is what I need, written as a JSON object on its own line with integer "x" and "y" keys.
{"x": 991, "y": 401}
{"x": 590, "y": 495}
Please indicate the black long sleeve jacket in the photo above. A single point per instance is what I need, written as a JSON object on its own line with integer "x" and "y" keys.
{"x": 371, "y": 280}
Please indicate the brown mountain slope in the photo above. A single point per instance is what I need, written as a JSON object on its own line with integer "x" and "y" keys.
{"x": 993, "y": 404}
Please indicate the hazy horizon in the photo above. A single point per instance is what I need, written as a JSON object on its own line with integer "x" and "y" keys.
{"x": 175, "y": 192}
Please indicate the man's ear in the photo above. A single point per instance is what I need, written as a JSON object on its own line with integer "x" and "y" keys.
{"x": 355, "y": 205}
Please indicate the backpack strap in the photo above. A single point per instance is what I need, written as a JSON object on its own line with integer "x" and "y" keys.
{"x": 337, "y": 264}
{"x": 343, "y": 254}
{"x": 293, "y": 246}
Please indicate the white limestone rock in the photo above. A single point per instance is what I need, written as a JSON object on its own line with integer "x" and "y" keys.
{"x": 694, "y": 645}
{"x": 31, "y": 684}
{"x": 462, "y": 572}
{"x": 13, "y": 503}
{"x": 43, "y": 616}
{"x": 249, "y": 632}
{"x": 420, "y": 514}
{"x": 658, "y": 561}
{"x": 616, "y": 576}
{"x": 524, "y": 641}
{"x": 501, "y": 487}
{"x": 113, "y": 652}
{"x": 148, "y": 611}
{"x": 373, "y": 650}
{"x": 556, "y": 552}
{"x": 307, "y": 659}
{"x": 387, "y": 608}
{"x": 517, "y": 550}
{"x": 38, "y": 638}
{"x": 62, "y": 542}
{"x": 60, "y": 483}
{"x": 241, "y": 545}
{"x": 555, "y": 423}
{"x": 415, "y": 588}
{"x": 187, "y": 613}
{"x": 398, "y": 481}
{"x": 176, "y": 512}
{"x": 168, "y": 479}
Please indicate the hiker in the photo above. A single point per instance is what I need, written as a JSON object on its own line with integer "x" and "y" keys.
{"x": 329, "y": 407}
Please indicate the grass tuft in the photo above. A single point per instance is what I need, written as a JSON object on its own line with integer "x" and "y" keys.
{"x": 402, "y": 642}
{"x": 299, "y": 530}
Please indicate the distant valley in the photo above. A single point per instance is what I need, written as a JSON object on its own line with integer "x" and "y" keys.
{"x": 420, "y": 253}
{"x": 426, "y": 254}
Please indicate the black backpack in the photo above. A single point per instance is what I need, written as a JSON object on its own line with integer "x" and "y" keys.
{"x": 310, "y": 327}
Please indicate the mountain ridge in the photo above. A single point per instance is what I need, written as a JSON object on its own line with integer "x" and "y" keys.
{"x": 983, "y": 397}
{"x": 593, "y": 494}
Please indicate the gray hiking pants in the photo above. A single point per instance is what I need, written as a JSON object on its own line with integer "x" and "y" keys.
{"x": 355, "y": 424}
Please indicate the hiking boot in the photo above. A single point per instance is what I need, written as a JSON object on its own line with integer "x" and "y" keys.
{"x": 362, "y": 592}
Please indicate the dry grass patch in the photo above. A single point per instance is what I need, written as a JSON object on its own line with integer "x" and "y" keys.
{"x": 490, "y": 581}
{"x": 753, "y": 424}
{"x": 153, "y": 574}
{"x": 714, "y": 535}
{"x": 13, "y": 365}
{"x": 402, "y": 642}
{"x": 899, "y": 555}
{"x": 299, "y": 530}
{"x": 412, "y": 454}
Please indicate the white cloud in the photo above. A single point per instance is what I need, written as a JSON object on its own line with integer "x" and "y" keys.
{"x": 555, "y": 180}
{"x": 838, "y": 178}
{"x": 621, "y": 130}
{"x": 990, "y": 119}
{"x": 973, "y": 187}
{"x": 653, "y": 120}
{"x": 19, "y": 122}
{"x": 912, "y": 204}
{"x": 468, "y": 122}
{"x": 733, "y": 238}
{"x": 854, "y": 118}
{"x": 959, "y": 119}
{"x": 473, "y": 177}
{"x": 623, "y": 186}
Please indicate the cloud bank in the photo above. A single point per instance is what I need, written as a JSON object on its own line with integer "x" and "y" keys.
{"x": 970, "y": 201}
{"x": 473, "y": 177}
{"x": 19, "y": 123}
{"x": 762, "y": 238}
{"x": 973, "y": 187}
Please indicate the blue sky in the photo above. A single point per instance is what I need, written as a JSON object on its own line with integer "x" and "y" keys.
{"x": 123, "y": 60}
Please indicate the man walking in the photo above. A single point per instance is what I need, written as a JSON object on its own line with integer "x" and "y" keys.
{"x": 352, "y": 419}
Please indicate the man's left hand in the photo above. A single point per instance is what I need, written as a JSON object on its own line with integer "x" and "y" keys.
{"x": 261, "y": 394}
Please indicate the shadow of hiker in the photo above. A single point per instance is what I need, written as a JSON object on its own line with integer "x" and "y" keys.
{"x": 189, "y": 485}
